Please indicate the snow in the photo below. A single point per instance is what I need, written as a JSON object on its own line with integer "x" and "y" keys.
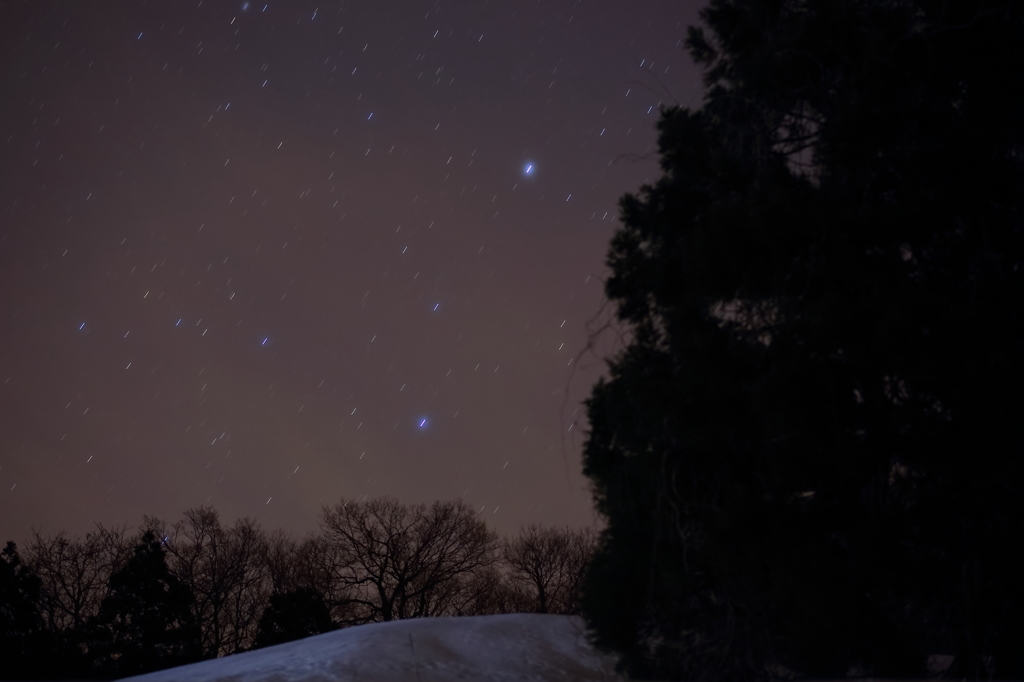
{"x": 519, "y": 647}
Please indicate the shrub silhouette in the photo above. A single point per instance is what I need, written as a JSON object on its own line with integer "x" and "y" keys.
{"x": 292, "y": 615}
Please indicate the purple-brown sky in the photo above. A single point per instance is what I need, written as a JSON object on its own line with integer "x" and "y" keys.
{"x": 263, "y": 256}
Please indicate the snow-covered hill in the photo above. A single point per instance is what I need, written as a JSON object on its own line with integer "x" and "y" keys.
{"x": 516, "y": 647}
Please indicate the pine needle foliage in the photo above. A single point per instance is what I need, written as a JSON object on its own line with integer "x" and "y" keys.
{"x": 809, "y": 455}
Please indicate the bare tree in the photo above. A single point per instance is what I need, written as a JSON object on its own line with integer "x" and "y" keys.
{"x": 491, "y": 591}
{"x": 75, "y": 573}
{"x": 283, "y": 563}
{"x": 397, "y": 561}
{"x": 227, "y": 573}
{"x": 316, "y": 561}
{"x": 251, "y": 593}
{"x": 550, "y": 563}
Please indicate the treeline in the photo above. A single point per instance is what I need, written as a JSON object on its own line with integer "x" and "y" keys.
{"x": 118, "y": 603}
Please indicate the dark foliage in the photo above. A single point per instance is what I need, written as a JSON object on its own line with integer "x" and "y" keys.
{"x": 302, "y": 612}
{"x": 22, "y": 637}
{"x": 145, "y": 623}
{"x": 809, "y": 455}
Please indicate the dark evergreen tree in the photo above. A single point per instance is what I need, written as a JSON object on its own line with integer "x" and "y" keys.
{"x": 145, "y": 623}
{"x": 23, "y": 640}
{"x": 302, "y": 612}
{"x": 809, "y": 454}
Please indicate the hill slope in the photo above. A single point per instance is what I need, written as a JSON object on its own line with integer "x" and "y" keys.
{"x": 505, "y": 648}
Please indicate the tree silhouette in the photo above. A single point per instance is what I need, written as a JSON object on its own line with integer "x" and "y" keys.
{"x": 398, "y": 561}
{"x": 225, "y": 571}
{"x": 807, "y": 455}
{"x": 75, "y": 573}
{"x": 145, "y": 623}
{"x": 22, "y": 637}
{"x": 549, "y": 563}
{"x": 299, "y": 613}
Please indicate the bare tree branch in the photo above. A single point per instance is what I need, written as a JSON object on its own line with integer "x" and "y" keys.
{"x": 397, "y": 561}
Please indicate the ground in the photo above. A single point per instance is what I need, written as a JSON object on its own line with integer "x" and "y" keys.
{"x": 519, "y": 647}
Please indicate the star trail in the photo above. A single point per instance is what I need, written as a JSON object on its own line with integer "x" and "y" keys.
{"x": 265, "y": 256}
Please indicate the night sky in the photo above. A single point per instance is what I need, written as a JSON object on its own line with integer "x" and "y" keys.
{"x": 266, "y": 256}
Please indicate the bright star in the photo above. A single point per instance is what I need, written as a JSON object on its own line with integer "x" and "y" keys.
{"x": 528, "y": 169}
